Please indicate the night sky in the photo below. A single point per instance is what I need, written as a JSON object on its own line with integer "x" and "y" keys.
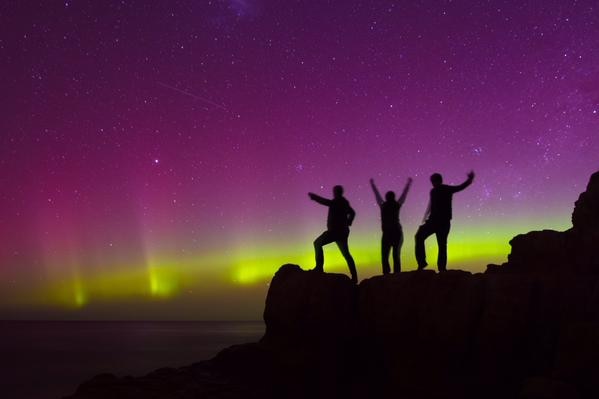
{"x": 156, "y": 156}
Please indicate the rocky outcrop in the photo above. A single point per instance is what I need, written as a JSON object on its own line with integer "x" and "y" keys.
{"x": 526, "y": 329}
{"x": 308, "y": 308}
{"x": 585, "y": 217}
{"x": 570, "y": 252}
{"x": 456, "y": 334}
{"x": 310, "y": 330}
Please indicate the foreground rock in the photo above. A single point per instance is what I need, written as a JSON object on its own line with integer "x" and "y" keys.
{"x": 310, "y": 319}
{"x": 525, "y": 329}
{"x": 572, "y": 251}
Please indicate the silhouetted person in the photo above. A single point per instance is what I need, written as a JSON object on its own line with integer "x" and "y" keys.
{"x": 437, "y": 219}
{"x": 340, "y": 217}
{"x": 392, "y": 231}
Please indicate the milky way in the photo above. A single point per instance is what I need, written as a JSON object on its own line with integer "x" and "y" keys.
{"x": 156, "y": 156}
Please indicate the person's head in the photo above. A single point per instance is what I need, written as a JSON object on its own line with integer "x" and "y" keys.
{"x": 390, "y": 196}
{"x": 436, "y": 179}
{"x": 337, "y": 191}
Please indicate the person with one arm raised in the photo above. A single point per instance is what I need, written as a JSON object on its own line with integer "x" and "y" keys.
{"x": 392, "y": 239}
{"x": 437, "y": 219}
{"x": 340, "y": 217}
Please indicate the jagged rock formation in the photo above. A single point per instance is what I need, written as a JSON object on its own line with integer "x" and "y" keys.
{"x": 526, "y": 329}
{"x": 585, "y": 217}
{"x": 572, "y": 251}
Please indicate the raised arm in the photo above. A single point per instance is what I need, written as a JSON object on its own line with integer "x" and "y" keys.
{"x": 319, "y": 199}
{"x": 465, "y": 184}
{"x": 377, "y": 195}
{"x": 404, "y": 194}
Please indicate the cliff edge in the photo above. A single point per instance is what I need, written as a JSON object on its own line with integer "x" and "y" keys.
{"x": 526, "y": 329}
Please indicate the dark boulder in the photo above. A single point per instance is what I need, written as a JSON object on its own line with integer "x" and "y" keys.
{"x": 585, "y": 217}
{"x": 310, "y": 329}
{"x": 571, "y": 251}
{"x": 308, "y": 307}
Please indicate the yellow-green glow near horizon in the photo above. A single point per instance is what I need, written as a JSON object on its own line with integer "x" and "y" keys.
{"x": 470, "y": 248}
{"x": 462, "y": 254}
{"x": 164, "y": 281}
{"x": 167, "y": 174}
{"x": 80, "y": 297}
{"x": 166, "y": 276}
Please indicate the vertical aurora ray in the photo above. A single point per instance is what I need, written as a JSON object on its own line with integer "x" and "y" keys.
{"x": 120, "y": 193}
{"x": 164, "y": 281}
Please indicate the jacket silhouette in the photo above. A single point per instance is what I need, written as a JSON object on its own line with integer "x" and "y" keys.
{"x": 339, "y": 218}
{"x": 437, "y": 219}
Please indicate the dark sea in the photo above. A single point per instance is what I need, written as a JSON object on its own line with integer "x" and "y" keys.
{"x": 49, "y": 359}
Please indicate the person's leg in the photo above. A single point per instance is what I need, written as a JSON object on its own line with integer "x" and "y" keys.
{"x": 397, "y": 253}
{"x": 322, "y": 240}
{"x": 385, "y": 248}
{"x": 442, "y": 233}
{"x": 424, "y": 231}
{"x": 344, "y": 248}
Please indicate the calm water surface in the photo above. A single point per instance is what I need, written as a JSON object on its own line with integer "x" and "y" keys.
{"x": 46, "y": 360}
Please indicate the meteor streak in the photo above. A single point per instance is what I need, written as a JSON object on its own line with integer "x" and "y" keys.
{"x": 194, "y": 96}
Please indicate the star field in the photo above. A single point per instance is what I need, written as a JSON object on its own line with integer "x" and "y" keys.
{"x": 156, "y": 156}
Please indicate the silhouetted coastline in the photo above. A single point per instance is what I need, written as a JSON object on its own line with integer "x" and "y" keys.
{"x": 48, "y": 359}
{"x": 526, "y": 329}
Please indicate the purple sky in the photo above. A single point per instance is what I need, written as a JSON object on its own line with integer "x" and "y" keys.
{"x": 138, "y": 132}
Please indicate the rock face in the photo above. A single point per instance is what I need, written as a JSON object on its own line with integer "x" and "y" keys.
{"x": 572, "y": 251}
{"x": 418, "y": 328}
{"x": 310, "y": 330}
{"x": 585, "y": 217}
{"x": 309, "y": 308}
{"x": 526, "y": 329}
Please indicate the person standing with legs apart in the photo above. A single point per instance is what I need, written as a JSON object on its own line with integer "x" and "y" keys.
{"x": 340, "y": 217}
{"x": 437, "y": 219}
{"x": 392, "y": 239}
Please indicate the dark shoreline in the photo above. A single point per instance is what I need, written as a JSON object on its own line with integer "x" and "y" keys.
{"x": 47, "y": 360}
{"x": 526, "y": 329}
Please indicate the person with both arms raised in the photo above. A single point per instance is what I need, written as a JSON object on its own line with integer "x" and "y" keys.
{"x": 392, "y": 239}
